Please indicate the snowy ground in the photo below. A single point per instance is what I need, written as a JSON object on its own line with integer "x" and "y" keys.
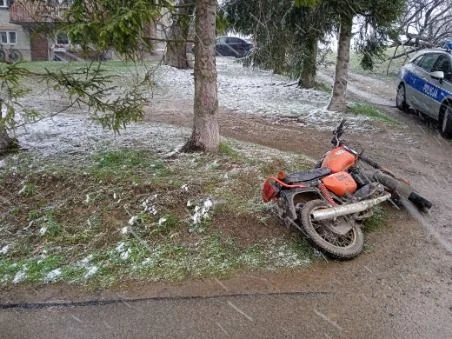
{"x": 256, "y": 92}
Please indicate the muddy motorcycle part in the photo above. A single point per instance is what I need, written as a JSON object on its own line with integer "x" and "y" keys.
{"x": 331, "y": 213}
{"x": 296, "y": 197}
{"x": 341, "y": 238}
{"x": 403, "y": 190}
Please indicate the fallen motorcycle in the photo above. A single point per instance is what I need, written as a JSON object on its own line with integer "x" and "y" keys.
{"x": 329, "y": 203}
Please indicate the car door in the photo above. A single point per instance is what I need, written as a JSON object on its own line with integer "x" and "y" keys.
{"x": 234, "y": 46}
{"x": 408, "y": 74}
{"x": 426, "y": 89}
{"x": 239, "y": 46}
{"x": 221, "y": 46}
{"x": 443, "y": 64}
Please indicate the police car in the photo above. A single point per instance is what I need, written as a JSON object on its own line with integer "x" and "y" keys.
{"x": 425, "y": 85}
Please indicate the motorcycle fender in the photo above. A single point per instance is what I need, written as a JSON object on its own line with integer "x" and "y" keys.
{"x": 296, "y": 195}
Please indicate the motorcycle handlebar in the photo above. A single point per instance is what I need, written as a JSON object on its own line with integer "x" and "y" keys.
{"x": 370, "y": 162}
{"x": 337, "y": 133}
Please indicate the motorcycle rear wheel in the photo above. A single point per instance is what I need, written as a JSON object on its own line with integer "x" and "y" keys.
{"x": 345, "y": 246}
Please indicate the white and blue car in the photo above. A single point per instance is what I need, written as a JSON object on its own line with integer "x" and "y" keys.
{"x": 425, "y": 85}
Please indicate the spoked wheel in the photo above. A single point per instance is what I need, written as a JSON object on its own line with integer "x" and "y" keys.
{"x": 15, "y": 55}
{"x": 327, "y": 234}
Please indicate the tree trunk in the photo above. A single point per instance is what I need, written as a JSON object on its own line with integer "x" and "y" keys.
{"x": 6, "y": 143}
{"x": 205, "y": 135}
{"x": 176, "y": 47}
{"x": 337, "y": 101}
{"x": 307, "y": 77}
{"x": 278, "y": 59}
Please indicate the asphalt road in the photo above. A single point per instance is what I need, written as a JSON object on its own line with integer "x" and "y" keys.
{"x": 334, "y": 315}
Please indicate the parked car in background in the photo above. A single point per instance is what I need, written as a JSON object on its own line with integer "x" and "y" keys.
{"x": 425, "y": 85}
{"x": 232, "y": 46}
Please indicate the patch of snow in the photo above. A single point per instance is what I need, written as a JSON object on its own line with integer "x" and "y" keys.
{"x": 255, "y": 92}
{"x": 4, "y": 249}
{"x": 85, "y": 261}
{"x": 208, "y": 205}
{"x": 43, "y": 230}
{"x": 87, "y": 199}
{"x": 146, "y": 261}
{"x": 189, "y": 203}
{"x": 120, "y": 247}
{"x": 202, "y": 213}
{"x": 177, "y": 150}
{"x": 124, "y": 255}
{"x": 123, "y": 250}
{"x": 20, "y": 276}
{"x": 92, "y": 270}
{"x": 149, "y": 208}
{"x": 133, "y": 220}
{"x": 55, "y": 136}
{"x": 124, "y": 230}
{"x": 162, "y": 221}
{"x": 53, "y": 275}
{"x": 184, "y": 187}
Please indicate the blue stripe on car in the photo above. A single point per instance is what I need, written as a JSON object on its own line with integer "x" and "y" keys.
{"x": 420, "y": 85}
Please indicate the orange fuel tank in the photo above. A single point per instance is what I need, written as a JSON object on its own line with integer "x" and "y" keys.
{"x": 339, "y": 159}
{"x": 340, "y": 183}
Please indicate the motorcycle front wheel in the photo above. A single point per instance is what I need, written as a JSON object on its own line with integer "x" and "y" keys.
{"x": 322, "y": 235}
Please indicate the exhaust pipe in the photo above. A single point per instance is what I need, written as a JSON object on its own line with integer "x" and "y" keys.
{"x": 340, "y": 211}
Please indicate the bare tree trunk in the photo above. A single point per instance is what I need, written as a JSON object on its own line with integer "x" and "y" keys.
{"x": 206, "y": 134}
{"x": 6, "y": 143}
{"x": 307, "y": 77}
{"x": 337, "y": 101}
{"x": 176, "y": 47}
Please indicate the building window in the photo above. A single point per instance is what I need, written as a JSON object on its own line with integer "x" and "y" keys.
{"x": 8, "y": 38}
{"x": 3, "y": 3}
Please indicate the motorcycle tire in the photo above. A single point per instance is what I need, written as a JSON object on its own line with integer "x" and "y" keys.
{"x": 341, "y": 247}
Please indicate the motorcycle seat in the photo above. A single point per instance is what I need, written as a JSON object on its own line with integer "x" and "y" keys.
{"x": 306, "y": 176}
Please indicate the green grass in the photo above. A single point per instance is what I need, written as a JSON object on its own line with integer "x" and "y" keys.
{"x": 377, "y": 220}
{"x": 370, "y": 111}
{"x": 28, "y": 190}
{"x": 380, "y": 69}
{"x": 322, "y": 86}
{"x": 85, "y": 209}
{"x": 227, "y": 149}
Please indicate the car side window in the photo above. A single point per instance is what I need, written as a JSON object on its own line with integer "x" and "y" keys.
{"x": 428, "y": 61}
{"x": 418, "y": 60}
{"x": 443, "y": 64}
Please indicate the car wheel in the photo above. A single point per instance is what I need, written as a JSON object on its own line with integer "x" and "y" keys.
{"x": 446, "y": 122}
{"x": 401, "y": 98}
